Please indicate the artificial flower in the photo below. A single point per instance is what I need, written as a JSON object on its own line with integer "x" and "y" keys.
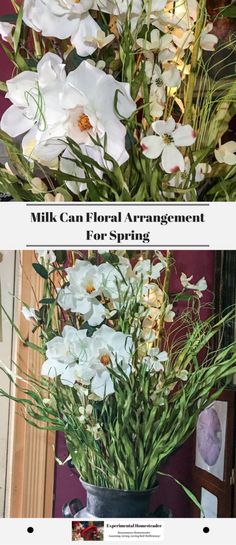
{"x": 47, "y": 255}
{"x": 109, "y": 349}
{"x": 198, "y": 288}
{"x": 54, "y": 198}
{"x": 50, "y": 106}
{"x": 226, "y": 153}
{"x": 169, "y": 136}
{"x": 63, "y": 19}
{"x": 65, "y": 354}
{"x": 6, "y": 32}
{"x": 155, "y": 359}
{"x": 208, "y": 41}
{"x": 38, "y": 186}
{"x": 146, "y": 269}
{"x": 81, "y": 294}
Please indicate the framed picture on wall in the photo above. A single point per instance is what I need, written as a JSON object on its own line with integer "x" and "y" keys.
{"x": 213, "y": 472}
{"x": 214, "y": 460}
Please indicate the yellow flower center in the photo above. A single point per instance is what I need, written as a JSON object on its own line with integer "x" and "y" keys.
{"x": 167, "y": 138}
{"x": 90, "y": 287}
{"x": 105, "y": 359}
{"x": 84, "y": 123}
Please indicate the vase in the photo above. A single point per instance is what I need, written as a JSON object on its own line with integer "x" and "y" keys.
{"x": 112, "y": 503}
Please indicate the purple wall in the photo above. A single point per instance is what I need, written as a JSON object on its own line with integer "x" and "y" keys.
{"x": 6, "y": 68}
{"x": 67, "y": 485}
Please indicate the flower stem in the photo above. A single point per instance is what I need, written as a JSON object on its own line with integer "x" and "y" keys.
{"x": 165, "y": 290}
{"x": 37, "y": 45}
{"x": 194, "y": 62}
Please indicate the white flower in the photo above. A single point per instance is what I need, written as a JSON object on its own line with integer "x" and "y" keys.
{"x": 169, "y": 136}
{"x": 113, "y": 279}
{"x": 52, "y": 106}
{"x": 69, "y": 166}
{"x": 159, "y": 80}
{"x": 47, "y": 255}
{"x": 183, "y": 179}
{"x": 154, "y": 360}
{"x": 208, "y": 41}
{"x": 65, "y": 354}
{"x": 6, "y": 30}
{"x": 63, "y": 19}
{"x": 108, "y": 349}
{"x": 153, "y": 44}
{"x": 169, "y": 313}
{"x": 36, "y": 108}
{"x": 99, "y": 40}
{"x": 146, "y": 269}
{"x": 226, "y": 153}
{"x": 200, "y": 286}
{"x": 29, "y": 313}
{"x": 80, "y": 296}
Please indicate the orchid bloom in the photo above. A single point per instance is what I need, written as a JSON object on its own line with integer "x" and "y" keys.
{"x": 81, "y": 294}
{"x": 146, "y": 269}
{"x": 108, "y": 349}
{"x": 169, "y": 136}
{"x": 65, "y": 354}
{"x": 155, "y": 359}
{"x": 198, "y": 288}
{"x": 6, "y": 30}
{"x": 50, "y": 106}
{"x": 63, "y": 19}
{"x": 226, "y": 153}
{"x": 208, "y": 41}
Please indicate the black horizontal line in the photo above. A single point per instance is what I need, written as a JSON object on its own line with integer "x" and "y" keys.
{"x": 116, "y": 204}
{"x": 111, "y": 246}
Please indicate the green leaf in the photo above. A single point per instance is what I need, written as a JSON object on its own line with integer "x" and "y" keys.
{"x": 47, "y": 301}
{"x": 40, "y": 269}
{"x": 9, "y": 18}
{"x": 17, "y": 32}
{"x": 185, "y": 489}
{"x": 229, "y": 11}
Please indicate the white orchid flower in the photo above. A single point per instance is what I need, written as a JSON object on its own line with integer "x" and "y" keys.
{"x": 155, "y": 359}
{"x": 100, "y": 40}
{"x": 208, "y": 41}
{"x": 36, "y": 108}
{"x": 113, "y": 280}
{"x": 169, "y": 314}
{"x": 47, "y": 255}
{"x": 150, "y": 45}
{"x": 108, "y": 348}
{"x": 178, "y": 14}
{"x": 169, "y": 136}
{"x": 63, "y": 19}
{"x": 68, "y": 166}
{"x": 198, "y": 288}
{"x": 6, "y": 32}
{"x": 226, "y": 153}
{"x": 65, "y": 354}
{"x": 145, "y": 269}
{"x": 49, "y": 107}
{"x": 80, "y": 296}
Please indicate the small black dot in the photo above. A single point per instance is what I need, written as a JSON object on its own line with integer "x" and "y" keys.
{"x": 30, "y": 530}
{"x": 206, "y": 530}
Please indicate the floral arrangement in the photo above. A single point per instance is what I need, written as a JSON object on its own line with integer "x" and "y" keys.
{"x": 118, "y": 100}
{"x": 127, "y": 364}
